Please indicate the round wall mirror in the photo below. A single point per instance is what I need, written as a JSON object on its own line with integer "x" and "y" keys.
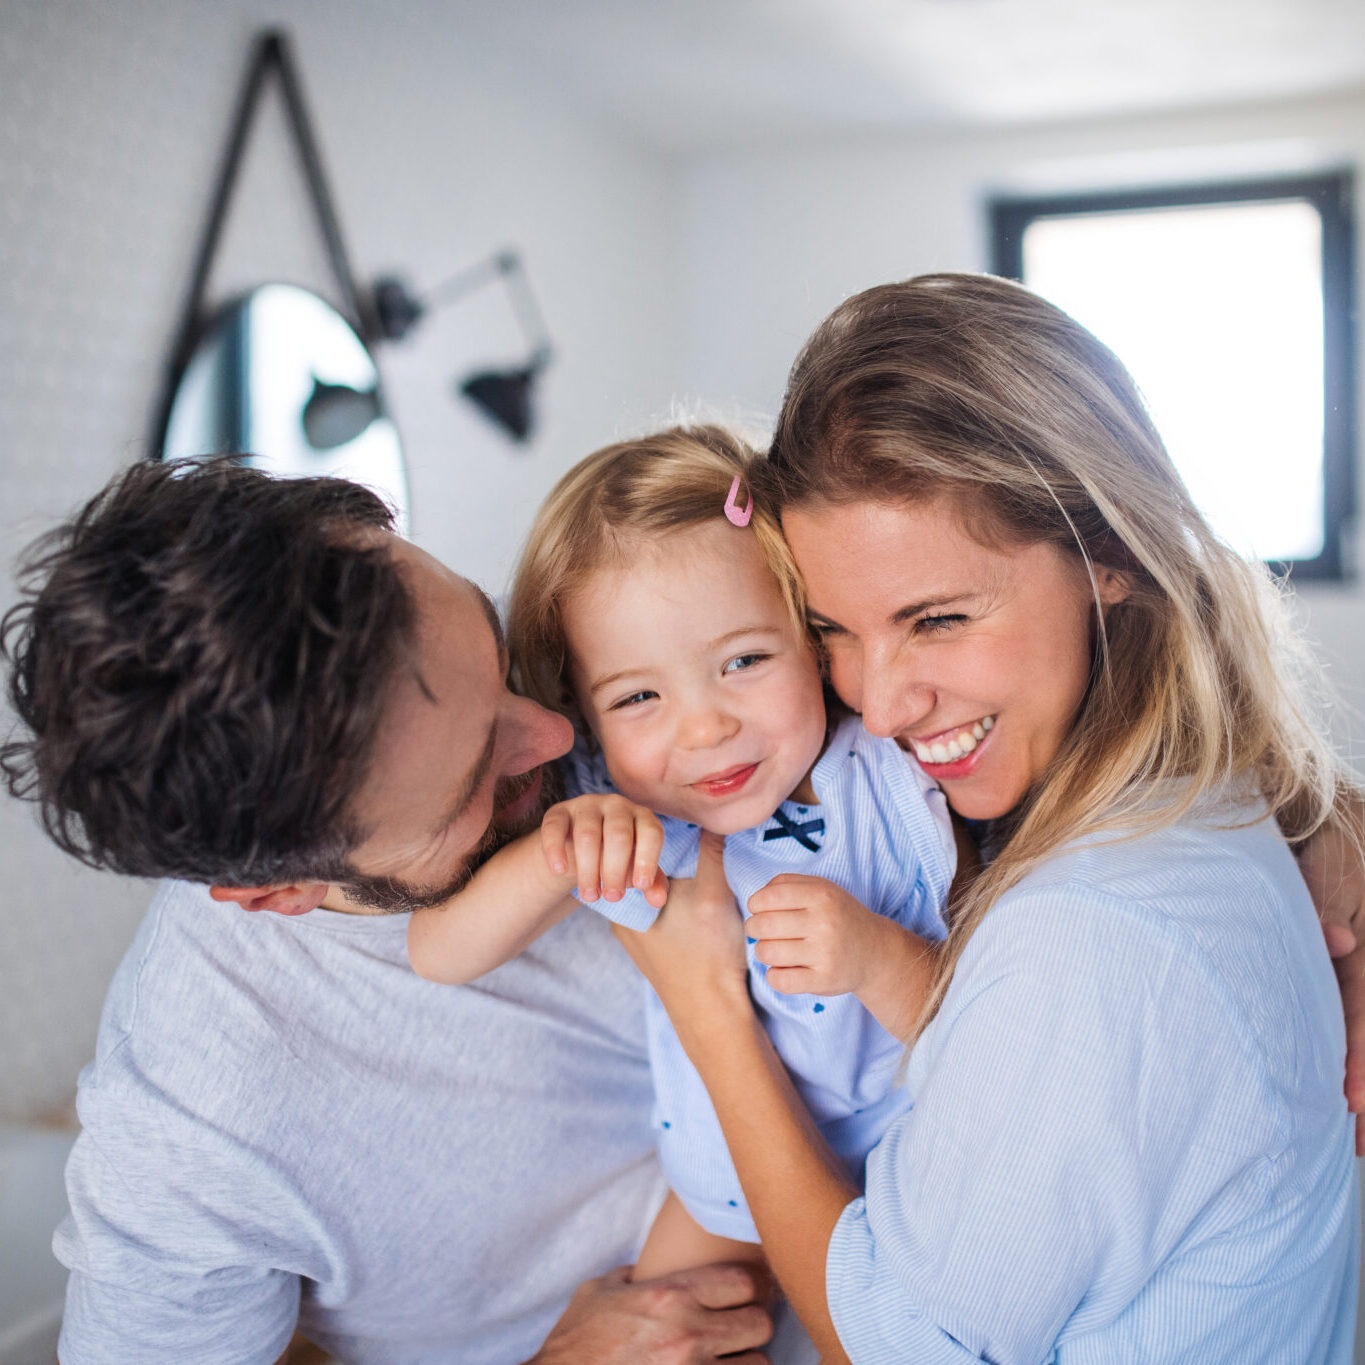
{"x": 281, "y": 374}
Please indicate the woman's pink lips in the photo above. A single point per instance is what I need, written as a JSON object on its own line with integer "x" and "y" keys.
{"x": 957, "y": 767}
{"x": 727, "y": 783}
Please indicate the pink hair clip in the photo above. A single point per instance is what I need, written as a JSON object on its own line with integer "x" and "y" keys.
{"x": 739, "y": 516}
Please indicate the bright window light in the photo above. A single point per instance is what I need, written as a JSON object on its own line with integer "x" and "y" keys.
{"x": 1217, "y": 313}
{"x": 1216, "y": 304}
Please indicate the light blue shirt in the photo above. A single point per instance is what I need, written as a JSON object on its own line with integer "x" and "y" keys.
{"x": 880, "y": 830}
{"x": 1128, "y": 1139}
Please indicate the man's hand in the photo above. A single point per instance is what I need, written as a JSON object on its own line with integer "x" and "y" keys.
{"x": 607, "y": 843}
{"x": 1331, "y": 865}
{"x": 691, "y": 1317}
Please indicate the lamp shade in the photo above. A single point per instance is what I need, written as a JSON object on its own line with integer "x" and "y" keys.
{"x": 504, "y": 397}
{"x": 336, "y": 414}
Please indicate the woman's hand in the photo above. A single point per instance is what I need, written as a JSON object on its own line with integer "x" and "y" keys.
{"x": 693, "y": 955}
{"x": 1331, "y": 865}
{"x": 607, "y": 843}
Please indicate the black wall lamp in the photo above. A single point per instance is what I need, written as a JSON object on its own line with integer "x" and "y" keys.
{"x": 335, "y": 413}
{"x": 503, "y": 396}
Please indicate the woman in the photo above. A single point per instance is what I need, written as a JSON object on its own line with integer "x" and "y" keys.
{"x": 1128, "y": 1139}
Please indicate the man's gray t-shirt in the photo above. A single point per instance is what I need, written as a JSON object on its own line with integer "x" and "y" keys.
{"x": 283, "y": 1120}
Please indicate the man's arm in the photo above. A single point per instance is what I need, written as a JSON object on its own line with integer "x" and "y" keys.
{"x": 691, "y": 1317}
{"x": 300, "y": 1351}
{"x": 696, "y": 1316}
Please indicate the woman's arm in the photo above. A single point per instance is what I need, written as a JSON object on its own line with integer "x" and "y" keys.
{"x": 694, "y": 958}
{"x": 795, "y": 1189}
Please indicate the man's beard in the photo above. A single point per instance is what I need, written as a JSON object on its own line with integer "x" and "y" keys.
{"x": 392, "y": 896}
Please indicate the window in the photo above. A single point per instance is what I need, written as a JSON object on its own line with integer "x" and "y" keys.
{"x": 1230, "y": 306}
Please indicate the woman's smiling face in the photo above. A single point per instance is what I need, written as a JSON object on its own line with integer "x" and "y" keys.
{"x": 975, "y": 658}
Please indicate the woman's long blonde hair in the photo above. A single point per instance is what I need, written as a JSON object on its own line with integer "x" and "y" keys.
{"x": 611, "y": 506}
{"x": 973, "y": 387}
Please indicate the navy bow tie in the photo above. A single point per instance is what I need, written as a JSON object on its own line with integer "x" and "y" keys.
{"x": 790, "y": 829}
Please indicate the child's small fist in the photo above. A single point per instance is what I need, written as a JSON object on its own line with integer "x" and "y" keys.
{"x": 605, "y": 843}
{"x": 813, "y": 936}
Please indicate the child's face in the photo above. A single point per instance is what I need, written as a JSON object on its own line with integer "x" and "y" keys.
{"x": 705, "y": 700}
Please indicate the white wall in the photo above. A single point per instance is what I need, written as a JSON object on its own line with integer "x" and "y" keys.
{"x": 777, "y": 236}
{"x": 113, "y": 118}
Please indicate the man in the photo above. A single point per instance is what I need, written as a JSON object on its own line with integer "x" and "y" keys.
{"x": 254, "y": 687}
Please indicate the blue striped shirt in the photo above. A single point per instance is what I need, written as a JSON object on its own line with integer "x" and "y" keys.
{"x": 1128, "y": 1140}
{"x": 880, "y": 829}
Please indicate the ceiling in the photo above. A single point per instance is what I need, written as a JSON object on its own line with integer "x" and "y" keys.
{"x": 691, "y": 74}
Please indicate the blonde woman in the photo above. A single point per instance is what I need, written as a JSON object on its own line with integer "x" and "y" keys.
{"x": 1128, "y": 1139}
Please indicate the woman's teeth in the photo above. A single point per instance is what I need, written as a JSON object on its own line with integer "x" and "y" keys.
{"x": 948, "y": 748}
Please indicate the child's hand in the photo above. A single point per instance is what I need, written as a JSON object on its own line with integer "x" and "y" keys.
{"x": 816, "y": 939}
{"x": 606, "y": 843}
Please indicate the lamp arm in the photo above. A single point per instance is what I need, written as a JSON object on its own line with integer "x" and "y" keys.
{"x": 399, "y": 310}
{"x": 472, "y": 277}
{"x": 528, "y": 313}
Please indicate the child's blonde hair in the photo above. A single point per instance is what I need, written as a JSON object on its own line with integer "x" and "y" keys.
{"x": 604, "y": 510}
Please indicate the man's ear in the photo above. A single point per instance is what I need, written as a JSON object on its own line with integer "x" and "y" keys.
{"x": 294, "y": 898}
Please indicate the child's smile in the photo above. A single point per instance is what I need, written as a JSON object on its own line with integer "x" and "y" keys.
{"x": 727, "y": 783}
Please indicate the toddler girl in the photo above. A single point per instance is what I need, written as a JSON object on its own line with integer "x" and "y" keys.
{"x": 656, "y": 605}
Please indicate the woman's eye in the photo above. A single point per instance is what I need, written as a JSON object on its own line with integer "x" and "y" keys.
{"x": 927, "y": 624}
{"x": 634, "y": 699}
{"x": 822, "y": 630}
{"x": 743, "y": 661}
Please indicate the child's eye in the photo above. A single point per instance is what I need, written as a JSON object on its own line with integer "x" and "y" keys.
{"x": 927, "y": 624}
{"x": 743, "y": 661}
{"x": 634, "y": 699}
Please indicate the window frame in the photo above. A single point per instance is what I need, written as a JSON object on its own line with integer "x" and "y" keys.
{"x": 1332, "y": 194}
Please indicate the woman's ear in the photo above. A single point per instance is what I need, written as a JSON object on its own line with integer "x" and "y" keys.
{"x": 1112, "y": 586}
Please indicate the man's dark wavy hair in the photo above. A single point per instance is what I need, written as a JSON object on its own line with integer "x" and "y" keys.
{"x": 199, "y": 661}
